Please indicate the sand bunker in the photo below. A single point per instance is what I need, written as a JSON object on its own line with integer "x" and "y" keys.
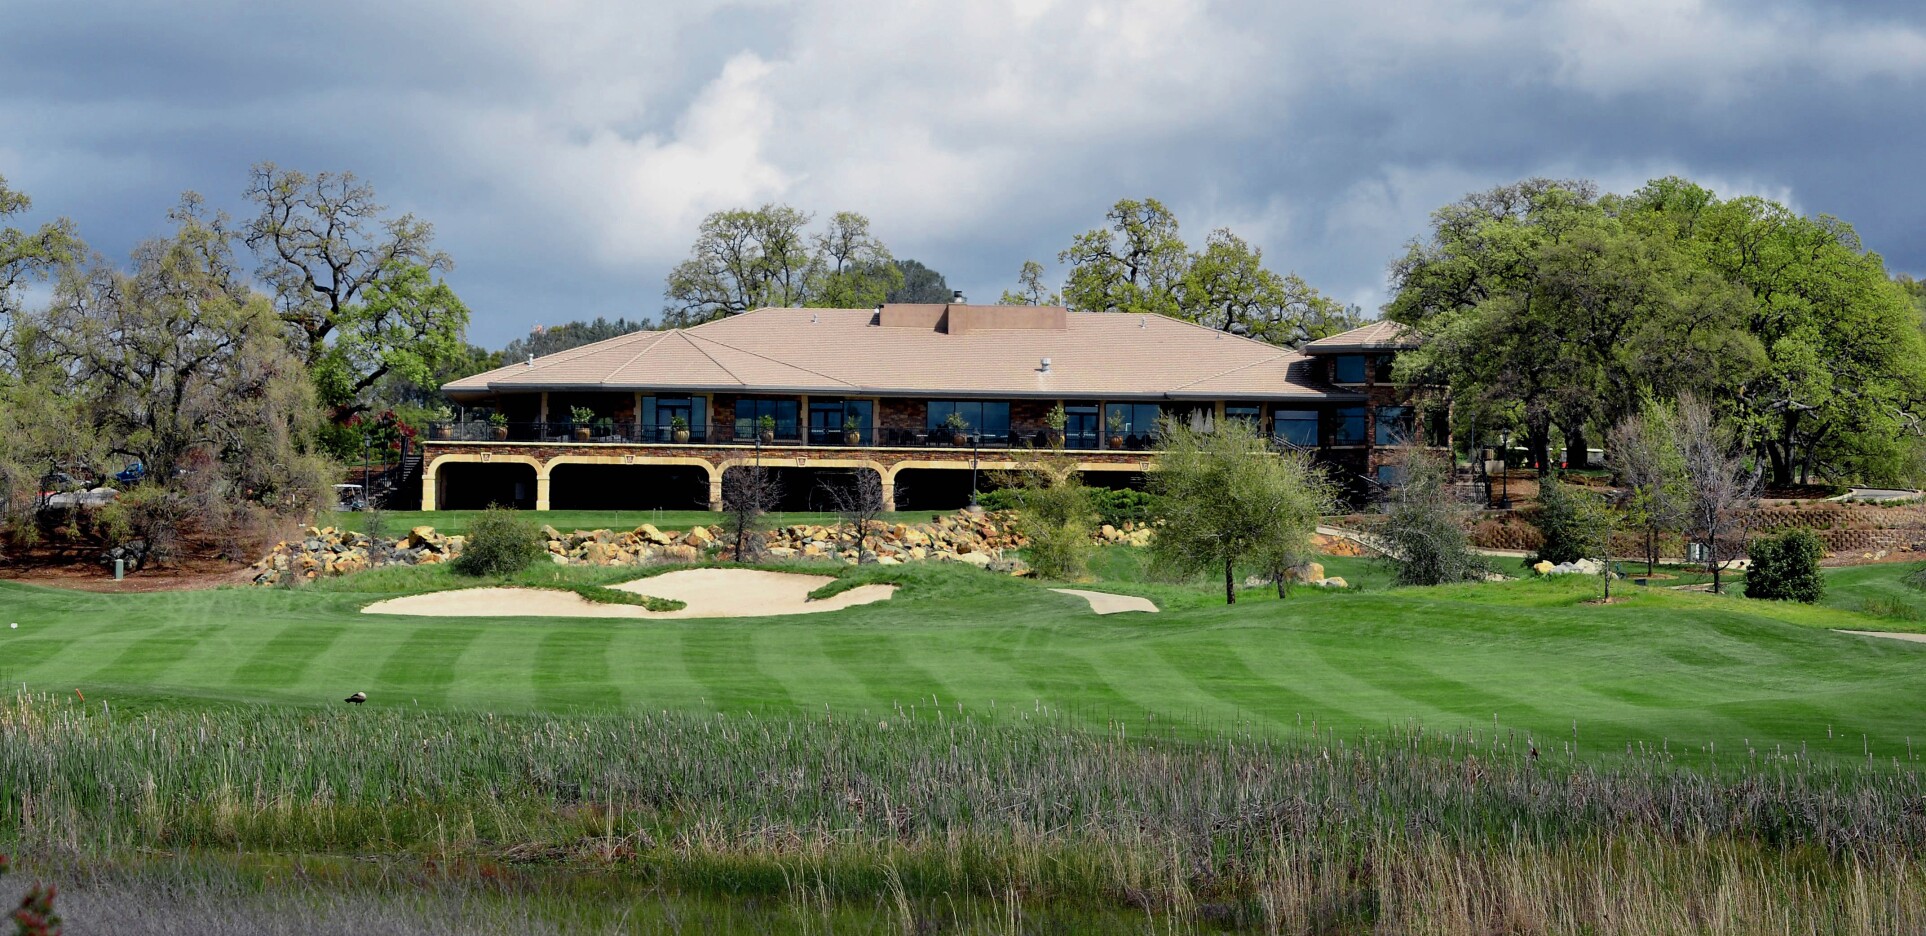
{"x": 1107, "y": 603}
{"x": 1889, "y": 635}
{"x": 708, "y": 593}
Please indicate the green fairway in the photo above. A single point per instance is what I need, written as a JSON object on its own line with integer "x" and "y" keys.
{"x": 457, "y": 521}
{"x": 1663, "y": 667}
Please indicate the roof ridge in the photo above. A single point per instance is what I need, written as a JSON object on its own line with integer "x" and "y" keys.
{"x": 567, "y": 354}
{"x": 1282, "y": 352}
{"x": 625, "y": 364}
{"x": 684, "y": 334}
{"x": 765, "y": 357}
{"x": 1200, "y": 326}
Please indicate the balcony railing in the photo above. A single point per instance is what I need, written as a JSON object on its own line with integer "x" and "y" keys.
{"x": 866, "y": 436}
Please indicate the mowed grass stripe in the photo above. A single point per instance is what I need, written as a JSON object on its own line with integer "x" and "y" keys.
{"x": 877, "y": 662}
{"x": 424, "y": 667}
{"x": 286, "y": 657}
{"x": 723, "y": 659}
{"x": 147, "y": 660}
{"x": 646, "y": 663}
{"x": 572, "y": 667}
{"x": 1220, "y": 672}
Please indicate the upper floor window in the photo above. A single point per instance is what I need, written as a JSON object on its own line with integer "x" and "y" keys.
{"x": 1295, "y": 427}
{"x": 751, "y": 411}
{"x": 1348, "y": 368}
{"x": 1250, "y": 413}
{"x": 1136, "y": 423}
{"x": 1348, "y": 426}
{"x": 1381, "y": 367}
{"x": 1394, "y": 425}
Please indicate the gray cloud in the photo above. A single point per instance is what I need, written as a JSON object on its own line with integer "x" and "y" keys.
{"x": 566, "y": 151}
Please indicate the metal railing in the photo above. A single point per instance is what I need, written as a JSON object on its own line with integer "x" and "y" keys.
{"x": 791, "y": 434}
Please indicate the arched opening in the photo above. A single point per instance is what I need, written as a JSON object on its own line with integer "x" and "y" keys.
{"x": 475, "y": 485}
{"x": 628, "y": 487}
{"x": 809, "y": 489}
{"x": 938, "y": 488}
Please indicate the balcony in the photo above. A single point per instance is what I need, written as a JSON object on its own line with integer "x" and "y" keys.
{"x": 608, "y": 432}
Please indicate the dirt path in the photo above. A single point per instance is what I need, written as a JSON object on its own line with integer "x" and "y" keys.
{"x": 708, "y": 593}
{"x": 1107, "y": 603}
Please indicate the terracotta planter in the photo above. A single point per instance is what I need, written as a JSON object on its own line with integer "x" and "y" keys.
{"x": 1116, "y": 441}
{"x": 959, "y": 439}
{"x": 500, "y": 433}
{"x": 768, "y": 436}
{"x": 581, "y": 435}
{"x": 442, "y": 433}
{"x": 681, "y": 436}
{"x": 852, "y": 438}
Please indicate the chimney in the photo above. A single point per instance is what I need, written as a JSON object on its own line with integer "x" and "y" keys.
{"x": 956, "y": 297}
{"x": 1044, "y": 366}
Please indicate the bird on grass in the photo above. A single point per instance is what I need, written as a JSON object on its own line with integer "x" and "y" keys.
{"x": 357, "y": 698}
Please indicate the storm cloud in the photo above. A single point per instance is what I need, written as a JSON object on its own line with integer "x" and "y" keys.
{"x": 567, "y": 150}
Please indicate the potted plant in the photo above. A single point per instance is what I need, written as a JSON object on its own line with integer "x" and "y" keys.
{"x": 852, "y": 431}
{"x": 1116, "y": 424}
{"x": 441, "y": 424}
{"x": 679, "y": 429}
{"x": 766, "y": 427}
{"x": 498, "y": 426}
{"x": 1056, "y": 419}
{"x": 579, "y": 418}
{"x": 958, "y": 427}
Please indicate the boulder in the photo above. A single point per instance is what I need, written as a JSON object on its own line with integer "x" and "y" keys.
{"x": 1332, "y": 582}
{"x": 699, "y": 538}
{"x": 1308, "y": 572}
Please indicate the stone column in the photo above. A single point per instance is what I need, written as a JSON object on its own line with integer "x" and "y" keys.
{"x": 541, "y": 488}
{"x": 430, "y": 477}
{"x": 889, "y": 493}
{"x": 715, "y": 491}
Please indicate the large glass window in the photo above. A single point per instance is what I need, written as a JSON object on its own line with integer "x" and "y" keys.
{"x": 1394, "y": 425}
{"x": 1348, "y": 428}
{"x": 751, "y": 410}
{"x": 1135, "y": 422}
{"x": 659, "y": 415}
{"x": 1081, "y": 428}
{"x": 1296, "y": 427}
{"x": 1250, "y": 413}
{"x": 1390, "y": 476}
{"x": 1348, "y": 368}
{"x": 830, "y": 421}
{"x": 989, "y": 419}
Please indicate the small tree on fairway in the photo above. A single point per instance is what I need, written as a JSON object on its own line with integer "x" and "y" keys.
{"x": 748, "y": 494}
{"x": 1643, "y": 450}
{"x": 1786, "y": 567}
{"x": 1717, "y": 481}
{"x": 1572, "y": 521}
{"x": 499, "y": 542}
{"x": 859, "y": 504}
{"x": 1226, "y": 498}
{"x": 1424, "y": 530}
{"x": 1054, "y": 511}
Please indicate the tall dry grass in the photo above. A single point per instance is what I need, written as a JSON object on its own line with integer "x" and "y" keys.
{"x": 1411, "y": 831}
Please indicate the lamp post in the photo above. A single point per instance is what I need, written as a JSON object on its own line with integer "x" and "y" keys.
{"x": 365, "y": 485}
{"x": 1504, "y": 485}
{"x": 976, "y": 439}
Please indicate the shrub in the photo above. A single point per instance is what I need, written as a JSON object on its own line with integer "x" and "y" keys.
{"x": 1786, "y": 567}
{"x": 499, "y": 542}
{"x": 1424, "y": 529}
{"x": 1121, "y": 505}
{"x": 1572, "y": 521}
{"x": 999, "y": 500}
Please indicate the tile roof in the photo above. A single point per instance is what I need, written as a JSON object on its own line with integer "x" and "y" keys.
{"x": 1379, "y": 335}
{"x": 986, "y": 351}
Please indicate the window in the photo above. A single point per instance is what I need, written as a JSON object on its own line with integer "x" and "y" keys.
{"x": 751, "y": 410}
{"x": 1081, "y": 428}
{"x": 989, "y": 419}
{"x": 659, "y": 414}
{"x": 1390, "y": 475}
{"x": 1295, "y": 427}
{"x": 1347, "y": 368}
{"x": 829, "y": 420}
{"x": 1382, "y": 367}
{"x": 1349, "y": 426}
{"x": 1394, "y": 426}
{"x": 1136, "y": 422}
{"x": 1250, "y": 413}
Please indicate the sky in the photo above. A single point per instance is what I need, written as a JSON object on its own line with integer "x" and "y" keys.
{"x": 566, "y": 150}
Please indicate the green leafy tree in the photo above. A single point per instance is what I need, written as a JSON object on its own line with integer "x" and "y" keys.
{"x": 1227, "y": 287}
{"x": 361, "y": 295}
{"x": 1423, "y": 536}
{"x": 1133, "y": 264}
{"x": 1572, "y": 521}
{"x": 38, "y": 424}
{"x": 1054, "y": 511}
{"x": 1227, "y": 499}
{"x": 1786, "y": 567}
{"x": 1030, "y": 288}
{"x": 851, "y": 268}
{"x": 920, "y": 284}
{"x": 1644, "y": 453}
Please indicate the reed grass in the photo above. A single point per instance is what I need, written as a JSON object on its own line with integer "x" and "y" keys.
{"x": 999, "y": 819}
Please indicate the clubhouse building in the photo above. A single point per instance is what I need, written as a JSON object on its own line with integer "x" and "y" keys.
{"x": 931, "y": 397}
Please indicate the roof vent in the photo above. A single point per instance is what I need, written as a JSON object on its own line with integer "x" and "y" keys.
{"x": 1044, "y": 365}
{"x": 1143, "y": 321}
{"x": 956, "y": 296}
{"x": 814, "y": 318}
{"x": 531, "y": 360}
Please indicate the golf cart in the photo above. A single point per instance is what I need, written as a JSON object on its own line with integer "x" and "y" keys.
{"x": 350, "y": 497}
